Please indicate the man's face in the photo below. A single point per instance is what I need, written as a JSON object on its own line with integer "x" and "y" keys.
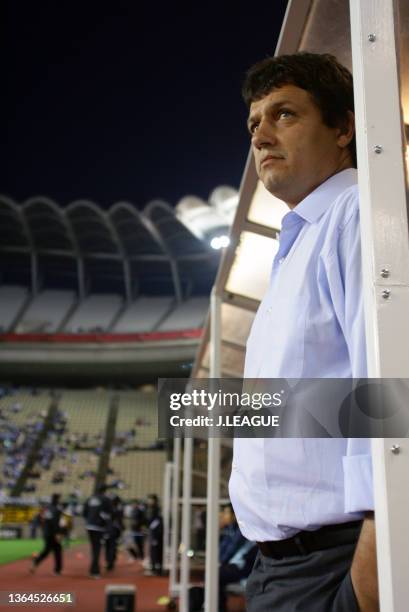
{"x": 294, "y": 150}
{"x": 226, "y": 517}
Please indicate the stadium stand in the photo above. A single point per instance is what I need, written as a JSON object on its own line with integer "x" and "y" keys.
{"x": 137, "y": 412}
{"x": 140, "y": 471}
{"x": 69, "y": 442}
{"x": 22, "y": 407}
{"x": 73, "y": 473}
{"x": 86, "y": 412}
{"x": 188, "y": 315}
{"x": 12, "y": 302}
{"x": 95, "y": 313}
{"x": 22, "y": 419}
{"x": 144, "y": 315}
{"x": 47, "y": 311}
{"x": 56, "y": 442}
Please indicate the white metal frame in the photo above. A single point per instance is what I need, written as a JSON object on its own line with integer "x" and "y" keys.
{"x": 186, "y": 524}
{"x": 385, "y": 253}
{"x": 174, "y": 536}
{"x": 213, "y": 491}
{"x": 167, "y": 496}
{"x": 213, "y": 470}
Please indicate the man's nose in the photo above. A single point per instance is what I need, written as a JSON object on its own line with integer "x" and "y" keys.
{"x": 265, "y": 134}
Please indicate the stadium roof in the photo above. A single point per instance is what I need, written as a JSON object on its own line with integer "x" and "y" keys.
{"x": 85, "y": 246}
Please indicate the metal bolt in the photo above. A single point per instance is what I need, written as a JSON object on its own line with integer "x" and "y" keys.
{"x": 385, "y": 272}
{"x": 395, "y": 449}
{"x": 378, "y": 149}
{"x": 386, "y": 294}
{"x": 371, "y": 37}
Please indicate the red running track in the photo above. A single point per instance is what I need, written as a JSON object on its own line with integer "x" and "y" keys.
{"x": 89, "y": 593}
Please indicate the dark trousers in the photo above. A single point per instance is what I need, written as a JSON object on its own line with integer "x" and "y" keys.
{"x": 111, "y": 546}
{"x": 156, "y": 551}
{"x": 139, "y": 541}
{"x": 317, "y": 581}
{"x": 95, "y": 538}
{"x": 51, "y": 545}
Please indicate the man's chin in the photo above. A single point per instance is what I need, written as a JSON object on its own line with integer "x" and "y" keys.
{"x": 275, "y": 185}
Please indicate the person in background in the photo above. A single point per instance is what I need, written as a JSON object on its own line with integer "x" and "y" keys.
{"x": 155, "y": 526}
{"x": 152, "y": 506}
{"x": 200, "y": 527}
{"x": 35, "y": 523}
{"x": 114, "y": 532}
{"x": 98, "y": 516}
{"x": 67, "y": 522}
{"x": 231, "y": 538}
{"x": 50, "y": 517}
{"x": 138, "y": 524}
{"x": 236, "y": 559}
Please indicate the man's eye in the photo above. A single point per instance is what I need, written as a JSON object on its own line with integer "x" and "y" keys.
{"x": 253, "y": 127}
{"x": 284, "y": 113}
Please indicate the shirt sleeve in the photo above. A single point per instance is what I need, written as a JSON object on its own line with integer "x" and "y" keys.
{"x": 345, "y": 282}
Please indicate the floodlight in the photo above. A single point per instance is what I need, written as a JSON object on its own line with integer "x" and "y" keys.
{"x": 220, "y": 242}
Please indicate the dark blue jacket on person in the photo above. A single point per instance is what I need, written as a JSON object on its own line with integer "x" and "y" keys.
{"x": 230, "y": 541}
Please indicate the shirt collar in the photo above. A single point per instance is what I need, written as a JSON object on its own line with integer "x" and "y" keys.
{"x": 317, "y": 202}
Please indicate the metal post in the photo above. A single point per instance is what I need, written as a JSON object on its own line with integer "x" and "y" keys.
{"x": 186, "y": 523}
{"x": 127, "y": 280}
{"x": 385, "y": 256}
{"x": 174, "y": 535}
{"x": 81, "y": 278}
{"x": 34, "y": 273}
{"x": 176, "y": 280}
{"x": 213, "y": 470}
{"x": 167, "y": 484}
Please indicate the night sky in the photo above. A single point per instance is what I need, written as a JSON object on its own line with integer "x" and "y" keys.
{"x": 128, "y": 100}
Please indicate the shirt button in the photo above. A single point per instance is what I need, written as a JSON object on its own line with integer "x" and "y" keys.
{"x": 241, "y": 523}
{"x": 269, "y": 310}
{"x": 234, "y": 466}
{"x": 280, "y": 261}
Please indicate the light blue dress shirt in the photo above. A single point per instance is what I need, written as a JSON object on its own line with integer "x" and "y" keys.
{"x": 310, "y": 324}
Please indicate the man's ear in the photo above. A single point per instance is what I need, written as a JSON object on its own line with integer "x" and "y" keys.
{"x": 346, "y": 131}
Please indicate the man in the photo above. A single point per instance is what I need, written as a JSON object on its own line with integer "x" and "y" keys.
{"x": 308, "y": 502}
{"x": 138, "y": 523}
{"x": 50, "y": 517}
{"x": 236, "y": 558}
{"x": 98, "y": 517}
{"x": 114, "y": 532}
{"x": 155, "y": 526}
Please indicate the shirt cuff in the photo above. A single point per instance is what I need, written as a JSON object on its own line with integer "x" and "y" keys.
{"x": 358, "y": 483}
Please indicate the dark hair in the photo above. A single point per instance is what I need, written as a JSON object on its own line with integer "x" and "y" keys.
{"x": 153, "y": 498}
{"x": 329, "y": 83}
